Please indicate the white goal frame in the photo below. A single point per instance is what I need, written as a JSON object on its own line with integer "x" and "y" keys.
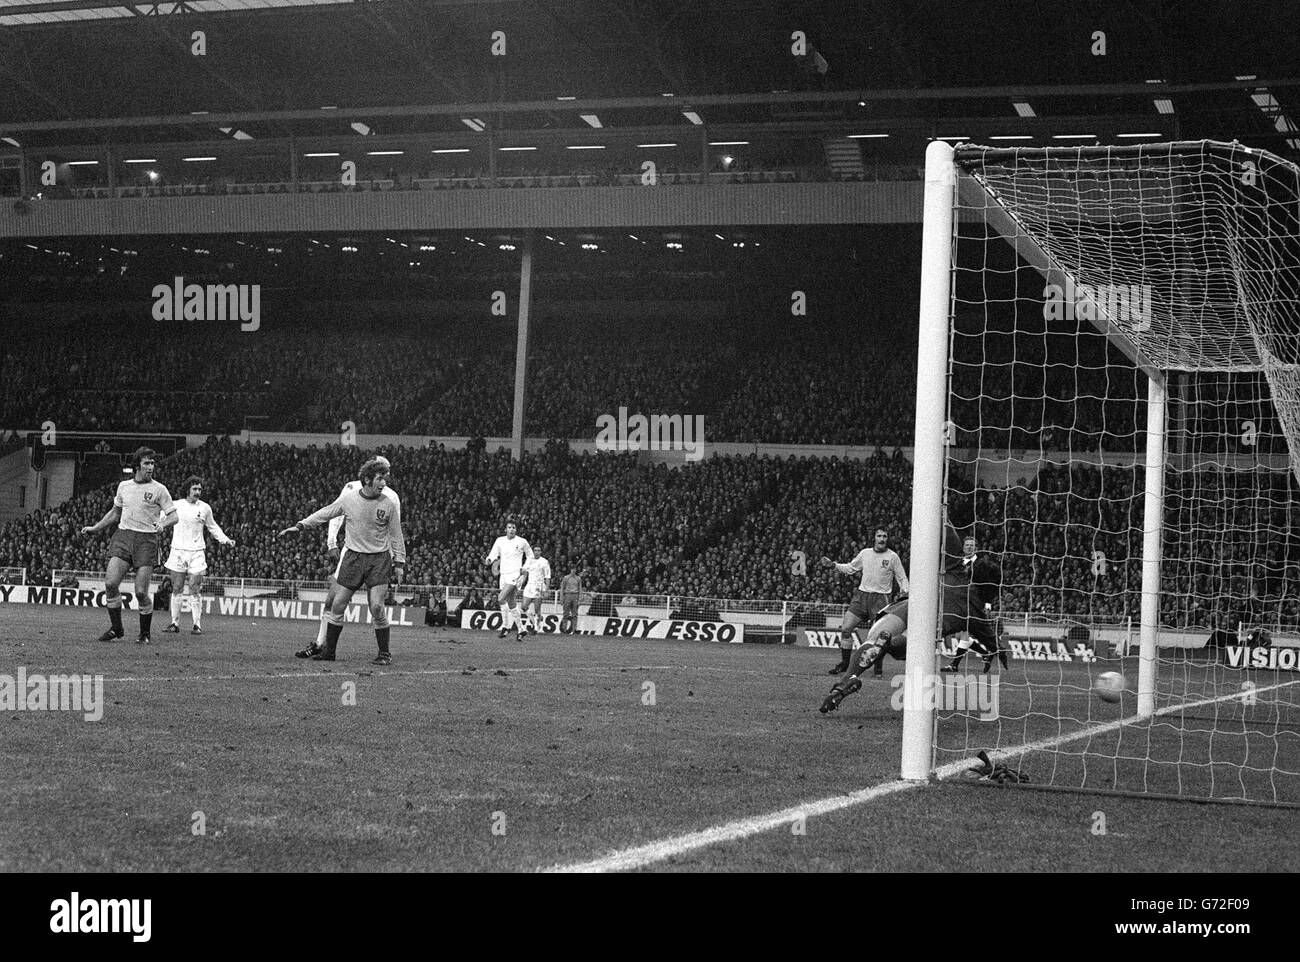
{"x": 943, "y": 181}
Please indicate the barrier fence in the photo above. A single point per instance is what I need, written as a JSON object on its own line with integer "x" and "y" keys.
{"x": 804, "y": 622}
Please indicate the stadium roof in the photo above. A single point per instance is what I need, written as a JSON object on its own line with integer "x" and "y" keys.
{"x": 23, "y": 13}
{"x": 306, "y": 67}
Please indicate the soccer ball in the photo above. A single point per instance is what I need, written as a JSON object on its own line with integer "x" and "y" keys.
{"x": 1109, "y": 686}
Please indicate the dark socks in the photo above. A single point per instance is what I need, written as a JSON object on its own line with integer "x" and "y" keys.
{"x": 332, "y": 633}
{"x": 145, "y": 622}
{"x": 115, "y": 619}
{"x": 381, "y": 637}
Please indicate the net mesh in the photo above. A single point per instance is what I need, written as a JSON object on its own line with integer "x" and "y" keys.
{"x": 1079, "y": 274}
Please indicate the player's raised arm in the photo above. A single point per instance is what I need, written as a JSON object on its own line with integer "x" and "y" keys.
{"x": 316, "y": 519}
{"x": 844, "y": 569}
{"x": 215, "y": 528}
{"x": 114, "y": 513}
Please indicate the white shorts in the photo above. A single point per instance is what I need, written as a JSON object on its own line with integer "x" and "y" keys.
{"x": 190, "y": 562}
{"x": 531, "y": 597}
{"x": 509, "y": 582}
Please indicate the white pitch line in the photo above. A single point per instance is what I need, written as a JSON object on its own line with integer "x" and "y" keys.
{"x": 640, "y": 856}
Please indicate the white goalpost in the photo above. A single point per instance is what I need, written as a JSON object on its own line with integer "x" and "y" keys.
{"x": 1108, "y": 400}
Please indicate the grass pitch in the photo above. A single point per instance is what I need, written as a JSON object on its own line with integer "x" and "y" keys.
{"x": 471, "y": 754}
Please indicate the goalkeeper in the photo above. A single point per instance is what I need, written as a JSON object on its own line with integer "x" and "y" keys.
{"x": 967, "y": 580}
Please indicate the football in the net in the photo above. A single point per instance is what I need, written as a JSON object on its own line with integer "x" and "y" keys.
{"x": 1108, "y": 686}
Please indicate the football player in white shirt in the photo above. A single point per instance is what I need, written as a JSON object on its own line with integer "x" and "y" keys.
{"x": 334, "y": 540}
{"x": 143, "y": 509}
{"x": 188, "y": 558}
{"x": 373, "y": 556}
{"x": 538, "y": 579}
{"x": 507, "y": 557}
{"x": 881, "y": 568}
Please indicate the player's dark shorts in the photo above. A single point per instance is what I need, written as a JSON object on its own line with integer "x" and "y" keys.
{"x": 976, "y": 626}
{"x": 358, "y": 569}
{"x": 867, "y": 604}
{"x": 138, "y": 548}
{"x": 570, "y": 605}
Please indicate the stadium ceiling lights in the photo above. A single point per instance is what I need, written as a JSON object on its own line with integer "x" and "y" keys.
{"x": 450, "y": 150}
{"x": 360, "y": 128}
{"x": 81, "y": 163}
{"x": 585, "y": 147}
{"x": 11, "y": 141}
{"x": 474, "y": 124}
{"x": 592, "y": 119}
{"x": 1023, "y": 109}
{"x": 728, "y": 143}
{"x": 566, "y": 98}
{"x": 1272, "y": 110}
{"x": 384, "y": 153}
{"x": 693, "y": 117}
{"x": 322, "y": 153}
{"x": 958, "y": 138}
{"x": 195, "y": 160}
{"x": 865, "y": 136}
{"x": 1074, "y": 136}
{"x": 655, "y": 145}
{"x": 1132, "y": 136}
{"x": 1164, "y": 105}
{"x": 141, "y": 160}
{"x": 1012, "y": 137}
{"x": 516, "y": 148}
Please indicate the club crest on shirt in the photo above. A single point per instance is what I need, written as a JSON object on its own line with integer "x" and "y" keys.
{"x": 148, "y": 495}
{"x": 381, "y": 516}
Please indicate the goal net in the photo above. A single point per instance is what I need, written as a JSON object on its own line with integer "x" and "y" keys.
{"x": 1121, "y": 434}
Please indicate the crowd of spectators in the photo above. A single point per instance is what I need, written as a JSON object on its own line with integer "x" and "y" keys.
{"x": 456, "y": 380}
{"x": 748, "y": 527}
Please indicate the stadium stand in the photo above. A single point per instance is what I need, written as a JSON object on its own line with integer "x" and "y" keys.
{"x": 722, "y": 528}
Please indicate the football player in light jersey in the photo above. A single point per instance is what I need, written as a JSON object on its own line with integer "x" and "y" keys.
{"x": 373, "y": 555}
{"x": 537, "y": 579}
{"x": 334, "y": 538}
{"x": 968, "y": 593}
{"x": 187, "y": 559}
{"x": 143, "y": 509}
{"x": 881, "y": 568}
{"x": 507, "y": 557}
